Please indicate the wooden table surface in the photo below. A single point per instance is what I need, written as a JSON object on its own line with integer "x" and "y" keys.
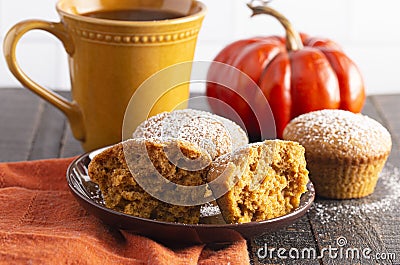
{"x": 365, "y": 231}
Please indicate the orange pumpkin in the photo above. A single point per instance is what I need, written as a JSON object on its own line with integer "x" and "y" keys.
{"x": 297, "y": 74}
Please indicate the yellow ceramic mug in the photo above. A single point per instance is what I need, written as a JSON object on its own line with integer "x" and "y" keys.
{"x": 110, "y": 58}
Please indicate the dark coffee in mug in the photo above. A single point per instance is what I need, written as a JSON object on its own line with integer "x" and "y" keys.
{"x": 135, "y": 14}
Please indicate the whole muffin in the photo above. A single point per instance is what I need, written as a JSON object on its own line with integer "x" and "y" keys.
{"x": 345, "y": 152}
{"x": 208, "y": 131}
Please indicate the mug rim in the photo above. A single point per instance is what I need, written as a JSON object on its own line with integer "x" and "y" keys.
{"x": 201, "y": 13}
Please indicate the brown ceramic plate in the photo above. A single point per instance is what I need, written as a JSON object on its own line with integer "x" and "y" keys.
{"x": 89, "y": 196}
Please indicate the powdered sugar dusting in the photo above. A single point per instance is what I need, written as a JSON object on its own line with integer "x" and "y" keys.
{"x": 347, "y": 133}
{"x": 213, "y": 133}
{"x": 386, "y": 198}
{"x": 209, "y": 209}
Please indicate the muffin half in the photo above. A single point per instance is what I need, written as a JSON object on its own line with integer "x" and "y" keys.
{"x": 140, "y": 177}
{"x": 259, "y": 181}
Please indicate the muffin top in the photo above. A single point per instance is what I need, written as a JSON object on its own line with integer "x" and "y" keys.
{"x": 211, "y": 132}
{"x": 339, "y": 134}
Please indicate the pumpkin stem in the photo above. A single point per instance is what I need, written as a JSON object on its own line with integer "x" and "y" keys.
{"x": 293, "y": 39}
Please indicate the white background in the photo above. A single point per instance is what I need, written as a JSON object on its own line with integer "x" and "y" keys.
{"x": 368, "y": 31}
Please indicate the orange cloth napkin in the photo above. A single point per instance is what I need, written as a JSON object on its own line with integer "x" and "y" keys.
{"x": 41, "y": 223}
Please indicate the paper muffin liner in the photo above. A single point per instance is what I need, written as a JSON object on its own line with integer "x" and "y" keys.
{"x": 345, "y": 179}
